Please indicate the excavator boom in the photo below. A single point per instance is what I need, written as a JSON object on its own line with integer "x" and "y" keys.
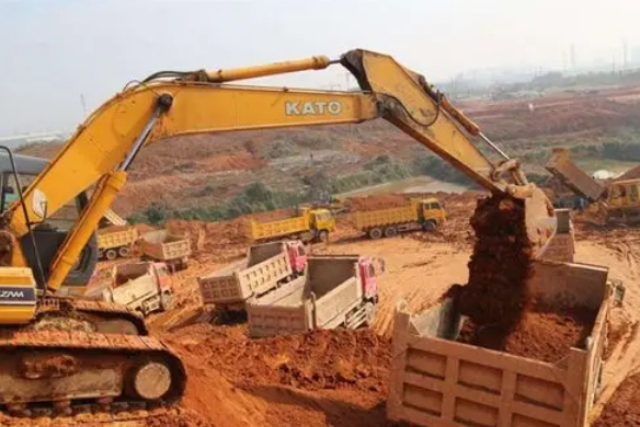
{"x": 169, "y": 104}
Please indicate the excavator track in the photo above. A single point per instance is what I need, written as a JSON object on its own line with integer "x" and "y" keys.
{"x": 63, "y": 372}
{"x": 97, "y": 316}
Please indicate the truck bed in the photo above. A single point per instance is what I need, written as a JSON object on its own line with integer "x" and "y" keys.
{"x": 257, "y": 231}
{"x": 164, "y": 246}
{"x": 320, "y": 300}
{"x": 561, "y": 166}
{"x": 384, "y": 217}
{"x": 264, "y": 267}
{"x": 436, "y": 381}
{"x": 116, "y": 236}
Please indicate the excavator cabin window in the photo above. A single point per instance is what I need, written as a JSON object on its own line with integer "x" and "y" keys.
{"x": 61, "y": 220}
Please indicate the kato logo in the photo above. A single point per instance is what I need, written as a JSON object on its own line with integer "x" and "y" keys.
{"x": 313, "y": 108}
{"x": 17, "y": 296}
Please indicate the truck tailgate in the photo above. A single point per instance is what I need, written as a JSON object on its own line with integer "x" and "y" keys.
{"x": 330, "y": 308}
{"x": 280, "y": 312}
{"x": 116, "y": 238}
{"x": 383, "y": 217}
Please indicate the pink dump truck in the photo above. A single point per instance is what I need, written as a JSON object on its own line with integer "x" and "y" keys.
{"x": 337, "y": 290}
{"x": 266, "y": 267}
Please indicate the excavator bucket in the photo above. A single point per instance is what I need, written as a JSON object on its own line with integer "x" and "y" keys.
{"x": 540, "y": 218}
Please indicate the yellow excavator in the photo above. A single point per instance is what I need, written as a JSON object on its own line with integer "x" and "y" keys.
{"x": 59, "y": 351}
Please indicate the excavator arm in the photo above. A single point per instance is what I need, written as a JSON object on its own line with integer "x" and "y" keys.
{"x": 170, "y": 104}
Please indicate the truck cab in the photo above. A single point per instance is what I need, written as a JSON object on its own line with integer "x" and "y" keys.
{"x": 50, "y": 233}
{"x": 369, "y": 268}
{"x": 430, "y": 211}
{"x": 297, "y": 254}
{"x": 322, "y": 222}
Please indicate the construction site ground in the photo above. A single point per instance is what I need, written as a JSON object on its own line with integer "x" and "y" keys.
{"x": 340, "y": 378}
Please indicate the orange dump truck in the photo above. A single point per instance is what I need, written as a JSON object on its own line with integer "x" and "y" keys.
{"x": 437, "y": 381}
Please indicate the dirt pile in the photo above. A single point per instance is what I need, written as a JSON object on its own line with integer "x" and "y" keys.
{"x": 317, "y": 360}
{"x": 375, "y": 202}
{"x": 541, "y": 335}
{"x": 496, "y": 293}
{"x": 213, "y": 241}
{"x": 623, "y": 409}
{"x": 275, "y": 215}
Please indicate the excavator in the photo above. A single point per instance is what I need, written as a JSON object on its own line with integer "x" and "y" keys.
{"x": 60, "y": 351}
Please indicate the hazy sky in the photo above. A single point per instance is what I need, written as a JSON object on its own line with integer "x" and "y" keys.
{"x": 52, "y": 51}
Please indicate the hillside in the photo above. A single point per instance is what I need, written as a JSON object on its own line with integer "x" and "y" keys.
{"x": 207, "y": 170}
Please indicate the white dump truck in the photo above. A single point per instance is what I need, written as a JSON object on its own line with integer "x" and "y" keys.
{"x": 143, "y": 286}
{"x": 337, "y": 290}
{"x": 266, "y": 266}
{"x": 172, "y": 249}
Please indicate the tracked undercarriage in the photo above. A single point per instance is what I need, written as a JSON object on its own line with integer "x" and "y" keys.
{"x": 82, "y": 352}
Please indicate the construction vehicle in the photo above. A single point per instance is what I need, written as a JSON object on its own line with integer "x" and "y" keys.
{"x": 141, "y": 286}
{"x": 336, "y": 291}
{"x": 266, "y": 266}
{"x": 116, "y": 241}
{"x": 106, "y": 347}
{"x": 309, "y": 225}
{"x": 161, "y": 245}
{"x": 620, "y": 198}
{"x": 418, "y": 214}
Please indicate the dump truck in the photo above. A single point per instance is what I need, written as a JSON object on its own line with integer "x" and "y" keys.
{"x": 336, "y": 290}
{"x": 437, "y": 381}
{"x": 116, "y": 241}
{"x": 142, "y": 286}
{"x": 418, "y": 214}
{"x": 172, "y": 249}
{"x": 569, "y": 174}
{"x": 266, "y": 267}
{"x": 310, "y": 225}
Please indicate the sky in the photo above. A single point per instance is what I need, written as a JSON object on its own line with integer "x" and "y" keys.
{"x": 60, "y": 59}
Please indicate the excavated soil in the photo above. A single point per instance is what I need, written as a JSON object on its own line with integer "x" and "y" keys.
{"x": 375, "y": 202}
{"x": 623, "y": 410}
{"x": 496, "y": 293}
{"x": 540, "y": 335}
{"x": 275, "y": 215}
{"x": 320, "y": 359}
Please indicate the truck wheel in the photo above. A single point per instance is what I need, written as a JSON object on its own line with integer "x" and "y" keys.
{"x": 370, "y": 309}
{"x": 111, "y": 254}
{"x": 375, "y": 233}
{"x": 124, "y": 251}
{"x": 390, "y": 232}
{"x": 429, "y": 226}
{"x": 323, "y": 236}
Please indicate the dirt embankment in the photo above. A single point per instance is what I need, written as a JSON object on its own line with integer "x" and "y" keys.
{"x": 336, "y": 378}
{"x": 623, "y": 409}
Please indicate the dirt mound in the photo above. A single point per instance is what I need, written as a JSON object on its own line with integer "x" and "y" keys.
{"x": 623, "y": 409}
{"x": 213, "y": 241}
{"x": 496, "y": 293}
{"x": 374, "y": 202}
{"x": 317, "y": 360}
{"x": 541, "y": 335}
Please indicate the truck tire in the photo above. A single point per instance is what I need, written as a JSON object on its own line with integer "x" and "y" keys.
{"x": 323, "y": 236}
{"x": 124, "y": 251}
{"x": 375, "y": 233}
{"x": 110, "y": 254}
{"x": 370, "y": 308}
{"x": 390, "y": 231}
{"x": 429, "y": 226}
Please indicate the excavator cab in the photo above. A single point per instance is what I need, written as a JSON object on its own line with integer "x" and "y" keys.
{"x": 50, "y": 233}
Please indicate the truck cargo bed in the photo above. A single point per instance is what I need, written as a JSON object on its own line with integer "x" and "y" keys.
{"x": 265, "y": 266}
{"x": 321, "y": 299}
{"x": 164, "y": 246}
{"x": 436, "y": 381}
